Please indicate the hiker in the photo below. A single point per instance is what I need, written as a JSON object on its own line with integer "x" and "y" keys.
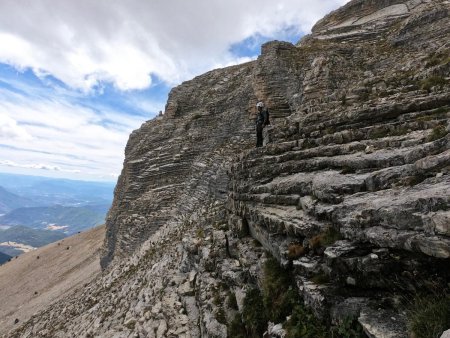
{"x": 262, "y": 120}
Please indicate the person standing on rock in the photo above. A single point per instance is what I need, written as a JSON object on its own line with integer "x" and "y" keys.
{"x": 262, "y": 120}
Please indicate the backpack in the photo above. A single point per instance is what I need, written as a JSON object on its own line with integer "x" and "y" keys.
{"x": 266, "y": 117}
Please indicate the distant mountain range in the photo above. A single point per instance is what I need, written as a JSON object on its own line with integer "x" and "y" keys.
{"x": 35, "y": 211}
{"x": 19, "y": 239}
{"x": 4, "y": 258}
{"x": 50, "y": 191}
{"x": 58, "y": 217}
{"x": 10, "y": 201}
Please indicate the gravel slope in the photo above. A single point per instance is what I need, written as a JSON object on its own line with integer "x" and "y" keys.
{"x": 29, "y": 284}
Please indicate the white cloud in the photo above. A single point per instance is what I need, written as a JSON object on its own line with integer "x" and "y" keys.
{"x": 84, "y": 42}
{"x": 13, "y": 164}
{"x": 11, "y": 131}
{"x": 56, "y": 130}
{"x": 56, "y": 135}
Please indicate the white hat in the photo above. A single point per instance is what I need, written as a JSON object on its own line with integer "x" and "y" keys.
{"x": 260, "y": 104}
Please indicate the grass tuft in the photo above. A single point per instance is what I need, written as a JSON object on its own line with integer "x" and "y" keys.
{"x": 437, "y": 133}
{"x": 429, "y": 315}
{"x": 295, "y": 251}
{"x": 324, "y": 239}
{"x": 303, "y": 324}
{"x": 433, "y": 81}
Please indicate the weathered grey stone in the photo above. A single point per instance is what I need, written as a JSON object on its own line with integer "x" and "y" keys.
{"x": 380, "y": 323}
{"x": 446, "y": 334}
{"x": 355, "y": 170}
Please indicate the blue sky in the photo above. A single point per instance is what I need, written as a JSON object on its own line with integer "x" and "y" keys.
{"x": 74, "y": 86}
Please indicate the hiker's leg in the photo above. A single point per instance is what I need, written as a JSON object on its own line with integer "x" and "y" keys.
{"x": 259, "y": 136}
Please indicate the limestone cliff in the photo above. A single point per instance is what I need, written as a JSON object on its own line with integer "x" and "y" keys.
{"x": 350, "y": 193}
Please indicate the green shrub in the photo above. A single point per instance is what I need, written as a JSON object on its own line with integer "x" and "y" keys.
{"x": 349, "y": 328}
{"x": 253, "y": 314}
{"x": 278, "y": 299}
{"x": 303, "y": 324}
{"x": 236, "y": 329}
{"x": 279, "y": 291}
{"x": 232, "y": 302}
{"x": 429, "y": 315}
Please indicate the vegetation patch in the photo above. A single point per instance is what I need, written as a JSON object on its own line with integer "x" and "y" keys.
{"x": 429, "y": 315}
{"x": 200, "y": 233}
{"x": 217, "y": 299}
{"x": 437, "y": 133}
{"x": 232, "y": 302}
{"x": 253, "y": 314}
{"x": 400, "y": 130}
{"x": 433, "y": 81}
{"x": 197, "y": 116}
{"x": 436, "y": 59}
{"x": 279, "y": 291}
{"x": 279, "y": 302}
{"x": 364, "y": 96}
{"x": 295, "y": 251}
{"x": 324, "y": 239}
{"x": 237, "y": 328}
{"x": 320, "y": 278}
{"x": 348, "y": 328}
{"x": 308, "y": 144}
{"x": 378, "y": 133}
{"x": 221, "y": 316}
{"x": 303, "y": 324}
{"x": 439, "y": 114}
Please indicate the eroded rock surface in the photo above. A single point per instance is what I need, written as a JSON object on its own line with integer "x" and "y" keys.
{"x": 351, "y": 191}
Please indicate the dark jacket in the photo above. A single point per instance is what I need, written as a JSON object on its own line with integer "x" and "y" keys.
{"x": 262, "y": 118}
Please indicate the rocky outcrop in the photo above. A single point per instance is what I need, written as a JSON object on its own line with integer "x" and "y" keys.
{"x": 350, "y": 193}
{"x": 366, "y": 155}
{"x": 173, "y": 163}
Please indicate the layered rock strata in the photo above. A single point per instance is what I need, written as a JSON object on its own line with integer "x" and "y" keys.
{"x": 351, "y": 191}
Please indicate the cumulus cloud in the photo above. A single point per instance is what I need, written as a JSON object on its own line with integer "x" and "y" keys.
{"x": 65, "y": 128}
{"x": 56, "y": 135}
{"x": 85, "y": 42}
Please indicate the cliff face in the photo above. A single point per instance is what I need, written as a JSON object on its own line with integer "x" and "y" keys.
{"x": 350, "y": 193}
{"x": 365, "y": 156}
{"x": 173, "y": 163}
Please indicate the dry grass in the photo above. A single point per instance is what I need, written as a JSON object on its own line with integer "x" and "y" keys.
{"x": 295, "y": 251}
